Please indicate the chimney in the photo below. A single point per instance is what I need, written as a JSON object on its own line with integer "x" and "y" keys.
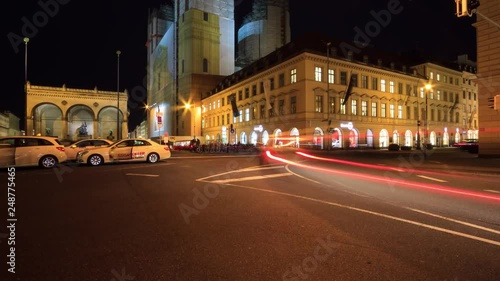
{"x": 379, "y": 62}
{"x": 349, "y": 55}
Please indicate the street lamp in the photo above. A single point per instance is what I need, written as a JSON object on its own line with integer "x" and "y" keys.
{"x": 193, "y": 112}
{"x": 26, "y": 40}
{"x": 426, "y": 133}
{"x": 118, "y": 96}
{"x": 328, "y": 138}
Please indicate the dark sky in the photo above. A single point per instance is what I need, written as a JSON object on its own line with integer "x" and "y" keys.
{"x": 76, "y": 43}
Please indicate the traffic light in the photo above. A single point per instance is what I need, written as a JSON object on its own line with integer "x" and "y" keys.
{"x": 466, "y": 7}
{"x": 472, "y": 5}
{"x": 494, "y": 102}
{"x": 418, "y": 123}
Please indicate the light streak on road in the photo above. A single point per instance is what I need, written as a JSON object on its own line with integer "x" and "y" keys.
{"x": 388, "y": 180}
{"x": 382, "y": 167}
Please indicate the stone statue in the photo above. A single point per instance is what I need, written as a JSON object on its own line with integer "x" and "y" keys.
{"x": 82, "y": 130}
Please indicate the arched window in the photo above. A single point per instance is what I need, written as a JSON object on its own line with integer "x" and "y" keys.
{"x": 205, "y": 65}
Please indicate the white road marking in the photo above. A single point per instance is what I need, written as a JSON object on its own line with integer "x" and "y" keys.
{"x": 494, "y": 191}
{"x": 142, "y": 175}
{"x": 430, "y": 178}
{"x": 456, "y": 221}
{"x": 254, "y": 168}
{"x": 304, "y": 178}
{"x": 251, "y": 178}
{"x": 440, "y": 229}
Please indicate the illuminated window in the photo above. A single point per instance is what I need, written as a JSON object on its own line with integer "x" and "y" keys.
{"x": 383, "y": 110}
{"x": 391, "y": 87}
{"x": 364, "y": 108}
{"x": 374, "y": 109}
{"x": 342, "y": 106}
{"x": 247, "y": 114}
{"x": 391, "y": 110}
{"x": 293, "y": 75}
{"x": 400, "y": 111}
{"x": 331, "y": 104}
{"x": 331, "y": 76}
{"x": 382, "y": 85}
{"x": 317, "y": 74}
{"x": 319, "y": 104}
{"x": 354, "y": 107}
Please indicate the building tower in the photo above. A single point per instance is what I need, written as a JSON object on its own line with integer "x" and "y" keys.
{"x": 265, "y": 29}
{"x": 195, "y": 52}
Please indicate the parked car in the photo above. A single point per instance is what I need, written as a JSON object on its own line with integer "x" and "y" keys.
{"x": 80, "y": 145}
{"x": 464, "y": 145}
{"x": 128, "y": 150}
{"x": 21, "y": 151}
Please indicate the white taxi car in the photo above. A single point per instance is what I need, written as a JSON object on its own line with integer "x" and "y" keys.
{"x": 20, "y": 151}
{"x": 80, "y": 145}
{"x": 128, "y": 150}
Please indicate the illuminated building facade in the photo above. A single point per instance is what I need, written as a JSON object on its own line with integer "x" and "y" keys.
{"x": 72, "y": 114}
{"x": 284, "y": 99}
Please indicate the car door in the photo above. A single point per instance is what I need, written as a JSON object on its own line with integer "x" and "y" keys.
{"x": 122, "y": 151}
{"x": 27, "y": 151}
{"x": 7, "y": 152}
{"x": 140, "y": 150}
{"x": 74, "y": 149}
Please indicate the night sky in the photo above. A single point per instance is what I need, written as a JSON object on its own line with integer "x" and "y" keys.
{"x": 76, "y": 44}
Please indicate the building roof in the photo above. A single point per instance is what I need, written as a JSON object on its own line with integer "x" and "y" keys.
{"x": 316, "y": 43}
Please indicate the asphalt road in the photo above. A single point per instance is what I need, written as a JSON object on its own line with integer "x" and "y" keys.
{"x": 245, "y": 217}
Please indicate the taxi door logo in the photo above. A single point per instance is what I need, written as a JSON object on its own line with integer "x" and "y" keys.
{"x": 159, "y": 118}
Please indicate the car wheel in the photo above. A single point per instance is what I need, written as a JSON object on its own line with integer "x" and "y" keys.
{"x": 95, "y": 160}
{"x": 153, "y": 158}
{"x": 48, "y": 162}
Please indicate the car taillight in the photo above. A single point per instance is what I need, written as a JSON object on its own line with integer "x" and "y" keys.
{"x": 166, "y": 148}
{"x": 60, "y": 148}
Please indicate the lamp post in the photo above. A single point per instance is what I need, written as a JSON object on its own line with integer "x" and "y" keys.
{"x": 328, "y": 121}
{"x": 426, "y": 133}
{"x": 26, "y": 40}
{"x": 193, "y": 113}
{"x": 118, "y": 96}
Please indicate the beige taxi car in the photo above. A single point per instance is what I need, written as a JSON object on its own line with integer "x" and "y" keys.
{"x": 80, "y": 145}
{"x": 22, "y": 151}
{"x": 128, "y": 150}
